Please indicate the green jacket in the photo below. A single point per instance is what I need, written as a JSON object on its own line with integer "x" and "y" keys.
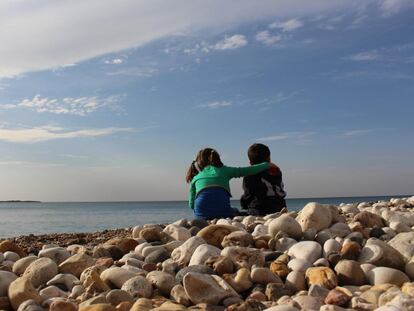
{"x": 212, "y": 176}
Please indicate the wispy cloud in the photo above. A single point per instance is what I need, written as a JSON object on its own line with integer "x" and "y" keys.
{"x": 115, "y": 61}
{"x": 46, "y": 133}
{"x": 29, "y": 163}
{"x": 267, "y": 38}
{"x": 215, "y": 104}
{"x": 231, "y": 43}
{"x": 292, "y": 136}
{"x": 287, "y": 26}
{"x": 228, "y": 43}
{"x": 144, "y": 72}
{"x": 391, "y": 7}
{"x": 365, "y": 56}
{"x": 80, "y": 106}
{"x": 73, "y": 156}
{"x": 362, "y": 132}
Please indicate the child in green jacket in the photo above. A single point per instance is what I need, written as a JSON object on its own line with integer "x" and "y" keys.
{"x": 209, "y": 178}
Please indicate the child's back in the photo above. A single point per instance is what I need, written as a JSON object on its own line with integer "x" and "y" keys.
{"x": 263, "y": 192}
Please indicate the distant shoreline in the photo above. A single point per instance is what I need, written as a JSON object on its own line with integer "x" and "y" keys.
{"x": 20, "y": 201}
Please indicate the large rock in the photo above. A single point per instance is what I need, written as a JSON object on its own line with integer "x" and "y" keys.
{"x": 286, "y": 224}
{"x": 349, "y": 272}
{"x": 6, "y": 278}
{"x": 138, "y": 287}
{"x": 76, "y": 264}
{"x": 202, "y": 253}
{"x": 404, "y": 243}
{"x": 40, "y": 271}
{"x": 182, "y": 254}
{"x": 382, "y": 275}
{"x": 315, "y": 215}
{"x": 309, "y": 251}
{"x": 21, "y": 290}
{"x": 214, "y": 234}
{"x": 211, "y": 289}
{"x": 244, "y": 257}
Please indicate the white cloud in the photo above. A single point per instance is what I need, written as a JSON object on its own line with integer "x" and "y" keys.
{"x": 292, "y": 136}
{"x": 29, "y": 163}
{"x": 390, "y": 7}
{"x": 46, "y": 133}
{"x": 287, "y": 26}
{"x": 365, "y": 56}
{"x": 35, "y": 41}
{"x": 215, "y": 104}
{"x": 231, "y": 43}
{"x": 115, "y": 61}
{"x": 358, "y": 132}
{"x": 267, "y": 38}
{"x": 80, "y": 106}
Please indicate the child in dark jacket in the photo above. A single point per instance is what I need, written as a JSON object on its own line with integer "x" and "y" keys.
{"x": 263, "y": 192}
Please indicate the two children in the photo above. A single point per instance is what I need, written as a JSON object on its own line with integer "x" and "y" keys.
{"x": 209, "y": 178}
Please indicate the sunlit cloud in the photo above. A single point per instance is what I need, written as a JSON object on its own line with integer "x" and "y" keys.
{"x": 231, "y": 43}
{"x": 293, "y": 136}
{"x": 46, "y": 133}
{"x": 287, "y": 26}
{"x": 215, "y": 104}
{"x": 267, "y": 38}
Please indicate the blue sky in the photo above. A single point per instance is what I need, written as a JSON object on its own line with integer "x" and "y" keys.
{"x": 111, "y": 101}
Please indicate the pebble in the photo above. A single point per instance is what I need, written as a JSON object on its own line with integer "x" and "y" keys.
{"x": 309, "y": 251}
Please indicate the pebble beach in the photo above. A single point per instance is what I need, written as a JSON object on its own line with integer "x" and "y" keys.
{"x": 355, "y": 256}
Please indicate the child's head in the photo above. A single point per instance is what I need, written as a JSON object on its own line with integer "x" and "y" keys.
{"x": 205, "y": 157}
{"x": 258, "y": 153}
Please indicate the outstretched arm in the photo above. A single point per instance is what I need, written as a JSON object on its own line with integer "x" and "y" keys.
{"x": 236, "y": 172}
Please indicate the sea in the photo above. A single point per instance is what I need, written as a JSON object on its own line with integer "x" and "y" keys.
{"x": 24, "y": 218}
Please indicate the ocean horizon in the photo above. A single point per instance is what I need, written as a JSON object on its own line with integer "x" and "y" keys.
{"x": 24, "y": 218}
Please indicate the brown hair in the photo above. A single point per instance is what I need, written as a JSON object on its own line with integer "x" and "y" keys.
{"x": 205, "y": 157}
{"x": 258, "y": 153}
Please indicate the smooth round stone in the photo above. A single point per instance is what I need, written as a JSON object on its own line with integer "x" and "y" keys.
{"x": 244, "y": 257}
{"x": 116, "y": 276}
{"x": 116, "y": 296}
{"x": 340, "y": 229}
{"x": 370, "y": 254}
{"x": 177, "y": 232}
{"x": 6, "y": 278}
{"x": 282, "y": 308}
{"x": 286, "y": 224}
{"x": 321, "y": 262}
{"x": 260, "y": 230}
{"x": 146, "y": 251}
{"x": 381, "y": 275}
{"x": 21, "y": 290}
{"x": 199, "y": 223}
{"x": 399, "y": 227}
{"x": 307, "y": 250}
{"x": 239, "y": 281}
{"x": 264, "y": 276}
{"x": 367, "y": 267}
{"x": 210, "y": 289}
{"x": 11, "y": 256}
{"x": 284, "y": 244}
{"x": 299, "y": 265}
{"x": 376, "y": 232}
{"x": 1, "y": 257}
{"x": 57, "y": 254}
{"x": 214, "y": 234}
{"x": 404, "y": 243}
{"x": 158, "y": 255}
{"x": 309, "y": 234}
{"x": 40, "y": 271}
{"x": 296, "y": 279}
{"x": 67, "y": 281}
{"x": 314, "y": 215}
{"x": 162, "y": 281}
{"x": 409, "y": 269}
{"x": 202, "y": 253}
{"x": 331, "y": 246}
{"x": 238, "y": 238}
{"x": 21, "y": 265}
{"x": 323, "y": 236}
{"x": 138, "y": 287}
{"x": 308, "y": 302}
{"x": 52, "y": 292}
{"x": 391, "y": 257}
{"x": 349, "y": 272}
{"x": 322, "y": 276}
{"x": 195, "y": 268}
{"x": 182, "y": 255}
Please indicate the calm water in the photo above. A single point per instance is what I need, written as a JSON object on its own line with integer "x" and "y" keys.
{"x": 25, "y": 218}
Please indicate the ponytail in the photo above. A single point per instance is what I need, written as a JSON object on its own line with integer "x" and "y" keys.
{"x": 205, "y": 157}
